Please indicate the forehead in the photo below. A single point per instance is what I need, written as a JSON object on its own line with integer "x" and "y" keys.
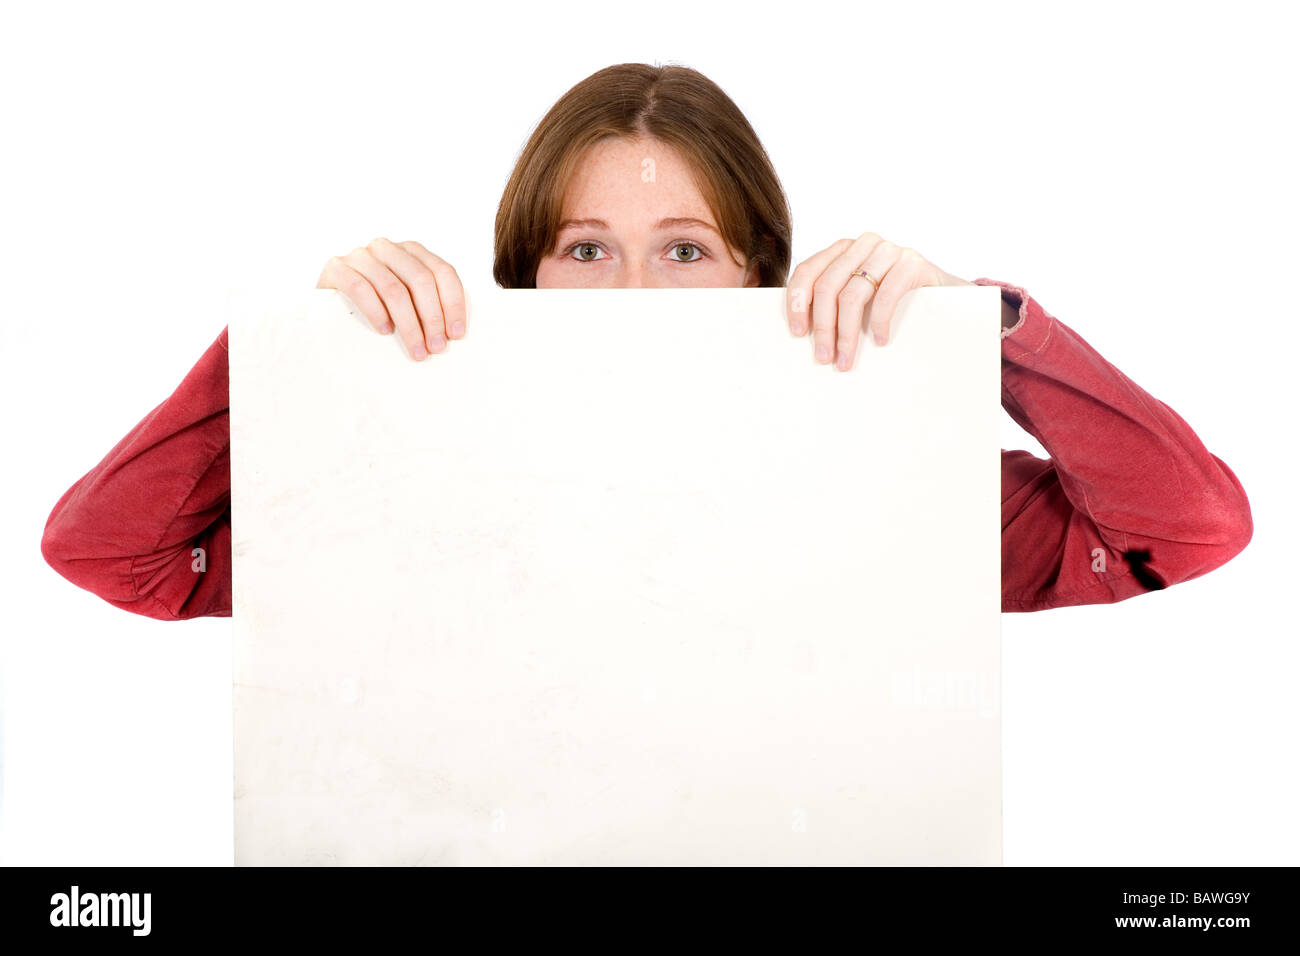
{"x": 634, "y": 180}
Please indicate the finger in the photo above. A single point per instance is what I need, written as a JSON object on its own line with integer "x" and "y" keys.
{"x": 850, "y": 308}
{"x": 337, "y": 274}
{"x": 799, "y": 290}
{"x": 395, "y": 297}
{"x": 421, "y": 283}
{"x": 826, "y": 292}
{"x": 421, "y": 286}
{"x": 857, "y": 299}
{"x": 451, "y": 293}
{"x": 907, "y": 273}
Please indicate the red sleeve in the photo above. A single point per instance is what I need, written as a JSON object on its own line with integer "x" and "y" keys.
{"x": 1129, "y": 501}
{"x": 127, "y": 529}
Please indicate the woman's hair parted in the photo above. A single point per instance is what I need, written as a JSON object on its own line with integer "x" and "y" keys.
{"x": 676, "y": 105}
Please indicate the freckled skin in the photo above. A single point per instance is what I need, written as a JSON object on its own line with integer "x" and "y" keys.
{"x": 633, "y": 253}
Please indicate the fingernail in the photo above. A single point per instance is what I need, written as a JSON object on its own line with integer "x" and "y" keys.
{"x": 880, "y": 339}
{"x": 823, "y": 353}
{"x": 457, "y": 328}
{"x": 438, "y": 345}
{"x": 843, "y": 363}
{"x": 418, "y": 352}
{"x": 796, "y": 329}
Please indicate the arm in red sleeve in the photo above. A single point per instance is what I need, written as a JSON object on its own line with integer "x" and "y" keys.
{"x": 127, "y": 529}
{"x": 1129, "y": 501}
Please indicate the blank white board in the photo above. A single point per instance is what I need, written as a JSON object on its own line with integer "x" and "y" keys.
{"x": 622, "y": 577}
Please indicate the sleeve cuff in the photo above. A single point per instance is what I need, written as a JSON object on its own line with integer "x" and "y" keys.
{"x": 1031, "y": 333}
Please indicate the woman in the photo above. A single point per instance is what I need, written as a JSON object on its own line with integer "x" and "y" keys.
{"x": 646, "y": 176}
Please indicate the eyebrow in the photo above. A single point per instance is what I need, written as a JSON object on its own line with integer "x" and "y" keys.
{"x": 672, "y": 223}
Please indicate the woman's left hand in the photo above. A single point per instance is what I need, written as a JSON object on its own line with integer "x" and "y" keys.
{"x": 843, "y": 305}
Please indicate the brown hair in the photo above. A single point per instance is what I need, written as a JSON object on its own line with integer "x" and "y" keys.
{"x": 674, "y": 104}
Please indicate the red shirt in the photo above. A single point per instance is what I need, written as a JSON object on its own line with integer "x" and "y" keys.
{"x": 1126, "y": 476}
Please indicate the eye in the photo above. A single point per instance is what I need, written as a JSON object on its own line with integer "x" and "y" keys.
{"x": 678, "y": 247}
{"x": 586, "y": 251}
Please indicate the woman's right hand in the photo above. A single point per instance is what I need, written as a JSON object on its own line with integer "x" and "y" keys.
{"x": 402, "y": 285}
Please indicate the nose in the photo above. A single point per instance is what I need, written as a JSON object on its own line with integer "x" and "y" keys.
{"x": 629, "y": 279}
{"x": 635, "y": 276}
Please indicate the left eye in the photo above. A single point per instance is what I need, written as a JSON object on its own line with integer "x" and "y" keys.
{"x": 687, "y": 246}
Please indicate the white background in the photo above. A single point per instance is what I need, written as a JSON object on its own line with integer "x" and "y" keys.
{"x": 1130, "y": 164}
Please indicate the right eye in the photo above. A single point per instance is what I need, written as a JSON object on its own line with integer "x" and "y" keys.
{"x": 586, "y": 251}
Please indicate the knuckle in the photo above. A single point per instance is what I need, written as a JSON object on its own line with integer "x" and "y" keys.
{"x": 426, "y": 286}
{"x": 853, "y": 293}
{"x": 823, "y": 287}
{"x": 445, "y": 272}
{"x": 392, "y": 288}
{"x": 452, "y": 294}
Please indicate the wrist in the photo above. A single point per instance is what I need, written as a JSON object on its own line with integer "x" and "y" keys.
{"x": 1010, "y": 314}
